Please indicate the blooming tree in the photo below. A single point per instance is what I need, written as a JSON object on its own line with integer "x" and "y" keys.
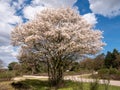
{"x": 55, "y": 36}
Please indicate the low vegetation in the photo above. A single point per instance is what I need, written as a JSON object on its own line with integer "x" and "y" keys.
{"x": 111, "y": 73}
{"x": 7, "y": 75}
{"x": 68, "y": 85}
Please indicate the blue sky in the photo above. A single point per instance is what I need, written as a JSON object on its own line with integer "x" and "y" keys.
{"x": 109, "y": 24}
{"x": 103, "y": 14}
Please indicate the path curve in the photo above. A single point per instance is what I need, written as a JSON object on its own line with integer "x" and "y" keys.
{"x": 101, "y": 81}
{"x": 73, "y": 78}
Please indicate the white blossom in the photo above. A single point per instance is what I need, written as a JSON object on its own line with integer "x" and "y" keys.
{"x": 58, "y": 31}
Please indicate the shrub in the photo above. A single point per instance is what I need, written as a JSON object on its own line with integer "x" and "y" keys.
{"x": 103, "y": 71}
{"x": 31, "y": 85}
{"x": 111, "y": 73}
{"x": 106, "y": 84}
{"x": 21, "y": 85}
{"x": 94, "y": 85}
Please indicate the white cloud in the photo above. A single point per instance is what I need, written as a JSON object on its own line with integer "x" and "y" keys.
{"x": 18, "y": 4}
{"x": 90, "y": 18}
{"x": 55, "y": 3}
{"x": 38, "y": 5}
{"x": 7, "y": 54}
{"x": 107, "y": 8}
{"x": 30, "y": 11}
{"x": 7, "y": 18}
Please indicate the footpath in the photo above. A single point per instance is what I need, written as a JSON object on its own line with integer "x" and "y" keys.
{"x": 73, "y": 78}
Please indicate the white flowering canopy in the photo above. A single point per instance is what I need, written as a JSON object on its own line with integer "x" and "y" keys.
{"x": 58, "y": 32}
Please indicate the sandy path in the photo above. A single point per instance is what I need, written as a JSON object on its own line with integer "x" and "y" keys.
{"x": 73, "y": 78}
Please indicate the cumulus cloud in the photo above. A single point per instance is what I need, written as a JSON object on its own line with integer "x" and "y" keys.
{"x": 18, "y": 4}
{"x": 38, "y": 5}
{"x": 90, "y": 18}
{"x": 30, "y": 11}
{"x": 7, "y": 20}
{"x": 7, "y": 17}
{"x": 8, "y": 54}
{"x": 55, "y": 3}
{"x": 108, "y": 8}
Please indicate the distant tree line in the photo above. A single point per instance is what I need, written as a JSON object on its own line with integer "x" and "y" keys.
{"x": 101, "y": 61}
{"x": 110, "y": 60}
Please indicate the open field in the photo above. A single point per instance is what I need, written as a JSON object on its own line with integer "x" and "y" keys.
{"x": 43, "y": 85}
{"x": 72, "y": 83}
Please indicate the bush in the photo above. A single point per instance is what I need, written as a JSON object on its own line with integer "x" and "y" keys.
{"x": 94, "y": 85}
{"x": 103, "y": 71}
{"x": 7, "y": 75}
{"x": 31, "y": 85}
{"x": 21, "y": 85}
{"x": 111, "y": 73}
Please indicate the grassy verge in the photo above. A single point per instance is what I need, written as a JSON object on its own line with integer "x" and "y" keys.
{"x": 69, "y": 85}
{"x": 6, "y": 85}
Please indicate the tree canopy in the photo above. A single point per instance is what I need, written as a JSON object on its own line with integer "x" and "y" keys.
{"x": 112, "y": 59}
{"x": 56, "y": 35}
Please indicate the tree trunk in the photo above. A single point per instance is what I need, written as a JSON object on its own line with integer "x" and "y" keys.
{"x": 55, "y": 73}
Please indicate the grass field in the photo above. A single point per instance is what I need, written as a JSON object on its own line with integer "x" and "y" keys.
{"x": 69, "y": 85}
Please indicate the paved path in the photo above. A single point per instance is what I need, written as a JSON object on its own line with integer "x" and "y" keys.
{"x": 73, "y": 78}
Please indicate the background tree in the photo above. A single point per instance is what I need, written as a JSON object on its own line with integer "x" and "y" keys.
{"x": 1, "y": 64}
{"x": 115, "y": 55}
{"x": 30, "y": 62}
{"x": 108, "y": 60}
{"x": 112, "y": 59}
{"x": 87, "y": 64}
{"x": 98, "y": 61}
{"x": 75, "y": 66}
{"x": 56, "y": 35}
{"x": 117, "y": 62}
{"x": 14, "y": 66}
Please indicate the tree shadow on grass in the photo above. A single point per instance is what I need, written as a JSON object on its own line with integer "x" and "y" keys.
{"x": 38, "y": 85}
{"x": 31, "y": 85}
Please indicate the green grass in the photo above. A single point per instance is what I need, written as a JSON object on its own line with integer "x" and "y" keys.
{"x": 69, "y": 85}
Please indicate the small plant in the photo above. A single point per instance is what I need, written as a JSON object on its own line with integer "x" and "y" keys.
{"x": 79, "y": 86}
{"x": 106, "y": 84}
{"x": 94, "y": 85}
{"x": 21, "y": 85}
